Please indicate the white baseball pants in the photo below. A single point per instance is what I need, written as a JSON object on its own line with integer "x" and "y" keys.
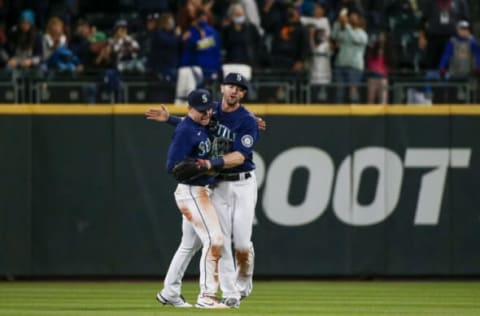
{"x": 199, "y": 217}
{"x": 235, "y": 204}
{"x": 233, "y": 283}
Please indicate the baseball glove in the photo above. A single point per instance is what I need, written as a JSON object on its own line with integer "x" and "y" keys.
{"x": 189, "y": 169}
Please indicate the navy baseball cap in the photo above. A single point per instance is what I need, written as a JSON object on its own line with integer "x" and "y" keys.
{"x": 237, "y": 79}
{"x": 201, "y": 100}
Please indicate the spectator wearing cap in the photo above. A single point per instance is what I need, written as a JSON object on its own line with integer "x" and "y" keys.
{"x": 24, "y": 44}
{"x": 122, "y": 50}
{"x": 163, "y": 58}
{"x": 461, "y": 56}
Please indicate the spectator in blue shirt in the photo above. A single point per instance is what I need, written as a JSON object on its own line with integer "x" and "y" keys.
{"x": 461, "y": 55}
{"x": 201, "y": 47}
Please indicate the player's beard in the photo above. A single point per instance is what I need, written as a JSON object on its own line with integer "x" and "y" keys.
{"x": 232, "y": 100}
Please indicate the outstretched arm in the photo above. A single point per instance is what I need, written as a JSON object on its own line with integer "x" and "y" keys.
{"x": 162, "y": 115}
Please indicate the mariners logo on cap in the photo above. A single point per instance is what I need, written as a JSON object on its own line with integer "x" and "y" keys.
{"x": 239, "y": 77}
{"x": 204, "y": 98}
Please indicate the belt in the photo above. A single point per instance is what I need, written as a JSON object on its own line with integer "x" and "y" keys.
{"x": 234, "y": 176}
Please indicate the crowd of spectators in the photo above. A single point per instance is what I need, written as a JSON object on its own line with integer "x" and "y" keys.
{"x": 328, "y": 41}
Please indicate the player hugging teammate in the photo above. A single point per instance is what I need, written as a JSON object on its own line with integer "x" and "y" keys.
{"x": 233, "y": 133}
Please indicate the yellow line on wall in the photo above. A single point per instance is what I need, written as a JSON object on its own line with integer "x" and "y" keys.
{"x": 259, "y": 109}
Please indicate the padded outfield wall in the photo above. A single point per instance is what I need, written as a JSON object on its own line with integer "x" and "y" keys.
{"x": 343, "y": 191}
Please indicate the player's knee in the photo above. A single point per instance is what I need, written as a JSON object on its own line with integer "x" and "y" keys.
{"x": 242, "y": 255}
{"x": 216, "y": 245}
{"x": 217, "y": 240}
{"x": 216, "y": 251}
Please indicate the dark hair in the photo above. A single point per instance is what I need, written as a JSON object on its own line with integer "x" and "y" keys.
{"x": 199, "y": 13}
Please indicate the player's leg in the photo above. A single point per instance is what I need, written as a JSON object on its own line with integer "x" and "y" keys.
{"x": 243, "y": 217}
{"x": 189, "y": 245}
{"x": 194, "y": 202}
{"x": 228, "y": 276}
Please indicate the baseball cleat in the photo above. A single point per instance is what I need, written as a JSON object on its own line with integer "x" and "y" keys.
{"x": 179, "y": 302}
{"x": 209, "y": 302}
{"x": 231, "y": 302}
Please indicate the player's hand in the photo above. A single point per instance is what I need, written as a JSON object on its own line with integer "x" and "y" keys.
{"x": 262, "y": 124}
{"x": 204, "y": 164}
{"x": 158, "y": 114}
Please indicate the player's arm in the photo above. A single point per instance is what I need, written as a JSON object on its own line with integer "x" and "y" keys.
{"x": 162, "y": 115}
{"x": 242, "y": 148}
{"x": 230, "y": 160}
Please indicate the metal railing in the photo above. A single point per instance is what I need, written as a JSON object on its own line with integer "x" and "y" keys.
{"x": 265, "y": 88}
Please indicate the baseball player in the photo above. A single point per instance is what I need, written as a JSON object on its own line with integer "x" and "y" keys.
{"x": 234, "y": 134}
{"x": 186, "y": 156}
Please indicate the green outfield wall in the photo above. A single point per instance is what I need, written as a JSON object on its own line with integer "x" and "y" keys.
{"x": 343, "y": 191}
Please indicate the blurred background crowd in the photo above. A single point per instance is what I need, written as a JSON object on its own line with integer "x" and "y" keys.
{"x": 190, "y": 43}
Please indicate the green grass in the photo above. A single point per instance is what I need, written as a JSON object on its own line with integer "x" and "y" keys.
{"x": 269, "y": 298}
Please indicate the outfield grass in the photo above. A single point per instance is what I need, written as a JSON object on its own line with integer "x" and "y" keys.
{"x": 268, "y": 298}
